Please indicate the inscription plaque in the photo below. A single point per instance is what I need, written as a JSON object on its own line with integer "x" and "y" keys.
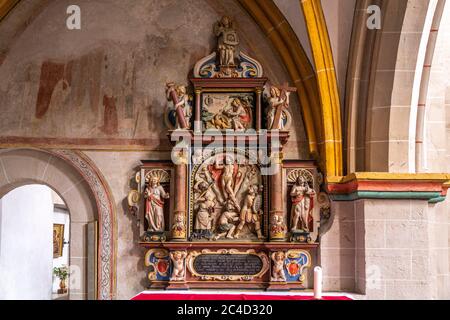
{"x": 228, "y": 264}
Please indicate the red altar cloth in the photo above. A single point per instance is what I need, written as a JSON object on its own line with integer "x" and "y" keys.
{"x": 149, "y": 295}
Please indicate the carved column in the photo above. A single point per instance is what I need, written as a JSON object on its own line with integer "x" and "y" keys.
{"x": 277, "y": 225}
{"x": 198, "y": 112}
{"x": 178, "y": 228}
{"x": 258, "y": 109}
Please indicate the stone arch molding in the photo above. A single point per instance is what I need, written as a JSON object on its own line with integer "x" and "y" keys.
{"x": 81, "y": 186}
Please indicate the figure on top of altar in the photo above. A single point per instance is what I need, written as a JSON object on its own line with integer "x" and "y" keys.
{"x": 302, "y": 197}
{"x": 278, "y": 116}
{"x": 154, "y": 195}
{"x": 178, "y": 115}
{"x": 227, "y": 41}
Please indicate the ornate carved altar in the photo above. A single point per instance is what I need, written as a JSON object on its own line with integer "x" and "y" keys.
{"x": 227, "y": 211}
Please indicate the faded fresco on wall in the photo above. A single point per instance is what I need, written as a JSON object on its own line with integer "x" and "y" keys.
{"x": 103, "y": 86}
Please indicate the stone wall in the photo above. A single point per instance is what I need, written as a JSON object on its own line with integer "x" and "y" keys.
{"x": 388, "y": 249}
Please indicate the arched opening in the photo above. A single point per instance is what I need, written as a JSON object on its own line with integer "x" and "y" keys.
{"x": 71, "y": 176}
{"x": 35, "y": 244}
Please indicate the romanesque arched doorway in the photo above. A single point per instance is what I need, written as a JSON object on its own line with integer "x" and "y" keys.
{"x": 88, "y": 199}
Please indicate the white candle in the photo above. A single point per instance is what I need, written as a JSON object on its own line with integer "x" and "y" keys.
{"x": 318, "y": 282}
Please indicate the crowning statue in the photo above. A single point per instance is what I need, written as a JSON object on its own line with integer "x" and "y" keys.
{"x": 154, "y": 195}
{"x": 302, "y": 196}
{"x": 227, "y": 41}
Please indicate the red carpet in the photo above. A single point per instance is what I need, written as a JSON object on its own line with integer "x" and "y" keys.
{"x": 234, "y": 296}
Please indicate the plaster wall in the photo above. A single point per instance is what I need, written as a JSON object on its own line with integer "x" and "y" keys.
{"x": 26, "y": 253}
{"x": 102, "y": 87}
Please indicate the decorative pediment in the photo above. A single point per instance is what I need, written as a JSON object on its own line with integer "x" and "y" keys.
{"x": 248, "y": 67}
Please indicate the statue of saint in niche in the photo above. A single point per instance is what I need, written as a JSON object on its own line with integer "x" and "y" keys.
{"x": 302, "y": 197}
{"x": 154, "y": 195}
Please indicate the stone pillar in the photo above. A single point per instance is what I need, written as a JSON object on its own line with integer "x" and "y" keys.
{"x": 277, "y": 225}
{"x": 179, "y": 219}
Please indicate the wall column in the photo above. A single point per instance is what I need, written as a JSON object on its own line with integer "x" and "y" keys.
{"x": 179, "y": 218}
{"x": 276, "y": 199}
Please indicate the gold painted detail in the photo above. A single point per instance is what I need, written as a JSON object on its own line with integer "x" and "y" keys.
{"x": 388, "y": 176}
{"x": 161, "y": 175}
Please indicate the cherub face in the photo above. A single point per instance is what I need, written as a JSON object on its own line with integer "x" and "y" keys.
{"x": 279, "y": 256}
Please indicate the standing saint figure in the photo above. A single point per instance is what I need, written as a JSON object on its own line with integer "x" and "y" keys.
{"x": 226, "y": 42}
{"x": 154, "y": 195}
{"x": 277, "y": 99}
{"x": 302, "y": 197}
